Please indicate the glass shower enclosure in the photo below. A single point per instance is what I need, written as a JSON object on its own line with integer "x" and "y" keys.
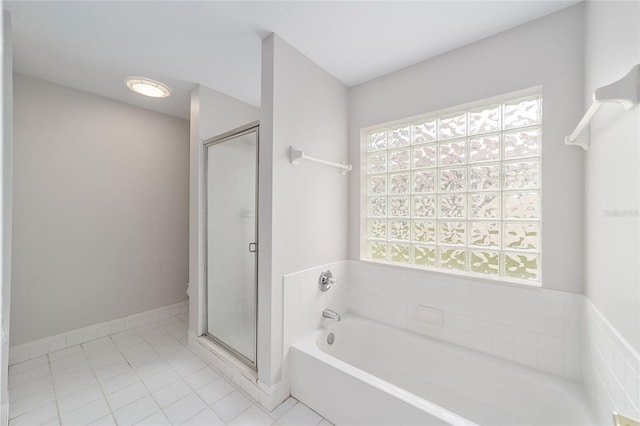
{"x": 231, "y": 166}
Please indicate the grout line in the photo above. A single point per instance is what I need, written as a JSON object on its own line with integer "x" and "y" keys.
{"x": 104, "y": 395}
{"x": 181, "y": 346}
{"x": 55, "y": 391}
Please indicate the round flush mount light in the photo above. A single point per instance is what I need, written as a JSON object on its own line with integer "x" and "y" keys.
{"x": 147, "y": 87}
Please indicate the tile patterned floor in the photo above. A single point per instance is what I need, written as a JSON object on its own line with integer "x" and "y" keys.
{"x": 143, "y": 376}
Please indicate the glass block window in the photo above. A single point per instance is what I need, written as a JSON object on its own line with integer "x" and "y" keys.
{"x": 459, "y": 191}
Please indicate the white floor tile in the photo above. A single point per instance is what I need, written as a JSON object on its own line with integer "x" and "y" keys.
{"x": 65, "y": 353}
{"x": 188, "y": 367}
{"x": 171, "y": 393}
{"x": 202, "y": 377}
{"x": 152, "y": 333}
{"x": 300, "y": 415}
{"x": 106, "y": 359}
{"x": 129, "y": 341}
{"x": 180, "y": 356}
{"x": 161, "y": 379}
{"x": 30, "y": 403}
{"x": 183, "y": 338}
{"x": 79, "y": 399}
{"x": 53, "y": 422}
{"x": 254, "y": 416}
{"x": 119, "y": 382}
{"x": 151, "y": 369}
{"x": 158, "y": 419}
{"x": 107, "y": 420}
{"x": 112, "y": 370}
{"x": 95, "y": 354}
{"x": 136, "y": 411}
{"x": 140, "y": 376}
{"x": 283, "y": 408}
{"x": 183, "y": 409}
{"x": 325, "y": 422}
{"x": 127, "y": 395}
{"x": 72, "y": 361}
{"x": 143, "y": 358}
{"x": 87, "y": 414}
{"x": 75, "y": 385}
{"x": 39, "y": 416}
{"x": 60, "y": 377}
{"x": 231, "y": 406}
{"x": 205, "y": 417}
{"x": 169, "y": 348}
{"x": 136, "y": 349}
{"x": 215, "y": 391}
{"x": 28, "y": 365}
{"x": 30, "y": 375}
{"x": 43, "y": 384}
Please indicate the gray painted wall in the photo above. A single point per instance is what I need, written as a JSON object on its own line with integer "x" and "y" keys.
{"x": 101, "y": 197}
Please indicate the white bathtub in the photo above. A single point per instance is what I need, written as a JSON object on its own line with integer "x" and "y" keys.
{"x": 375, "y": 374}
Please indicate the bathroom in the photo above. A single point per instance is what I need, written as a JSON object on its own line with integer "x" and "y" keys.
{"x": 112, "y": 213}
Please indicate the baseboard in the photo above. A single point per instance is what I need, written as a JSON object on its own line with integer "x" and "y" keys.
{"x": 27, "y": 351}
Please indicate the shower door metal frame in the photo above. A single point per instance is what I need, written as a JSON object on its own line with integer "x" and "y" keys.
{"x": 240, "y": 131}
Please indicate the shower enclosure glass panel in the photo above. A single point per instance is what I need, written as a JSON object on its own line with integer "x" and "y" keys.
{"x": 231, "y": 189}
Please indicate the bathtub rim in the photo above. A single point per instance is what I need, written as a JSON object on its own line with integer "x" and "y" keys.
{"x": 505, "y": 363}
{"x": 308, "y": 345}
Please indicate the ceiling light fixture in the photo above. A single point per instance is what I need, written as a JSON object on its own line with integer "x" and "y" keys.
{"x": 147, "y": 87}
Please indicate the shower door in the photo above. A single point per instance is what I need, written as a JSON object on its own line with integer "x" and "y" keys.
{"x": 231, "y": 246}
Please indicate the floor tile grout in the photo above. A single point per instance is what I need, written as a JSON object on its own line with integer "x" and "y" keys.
{"x": 170, "y": 348}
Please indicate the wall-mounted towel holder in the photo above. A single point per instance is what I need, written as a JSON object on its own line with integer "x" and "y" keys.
{"x": 295, "y": 156}
{"x": 625, "y": 91}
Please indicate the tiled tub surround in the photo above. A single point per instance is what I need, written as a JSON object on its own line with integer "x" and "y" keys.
{"x": 144, "y": 375}
{"x": 534, "y": 327}
{"x": 381, "y": 375}
{"x": 552, "y": 331}
{"x": 612, "y": 368}
{"x": 303, "y": 301}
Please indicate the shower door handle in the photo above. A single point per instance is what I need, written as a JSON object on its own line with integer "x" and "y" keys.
{"x": 252, "y": 247}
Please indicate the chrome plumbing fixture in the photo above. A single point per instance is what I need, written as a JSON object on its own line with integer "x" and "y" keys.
{"x": 328, "y": 313}
{"x": 326, "y": 280}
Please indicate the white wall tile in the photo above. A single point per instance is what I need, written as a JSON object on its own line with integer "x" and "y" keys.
{"x": 509, "y": 322}
{"x": 610, "y": 367}
{"x": 503, "y": 333}
{"x": 304, "y": 301}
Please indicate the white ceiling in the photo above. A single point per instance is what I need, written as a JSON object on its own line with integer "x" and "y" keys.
{"x": 93, "y": 46}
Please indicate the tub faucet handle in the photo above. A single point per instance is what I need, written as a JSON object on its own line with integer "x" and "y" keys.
{"x": 326, "y": 280}
{"x": 330, "y": 314}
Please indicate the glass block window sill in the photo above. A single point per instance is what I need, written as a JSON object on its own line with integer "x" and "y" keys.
{"x": 493, "y": 279}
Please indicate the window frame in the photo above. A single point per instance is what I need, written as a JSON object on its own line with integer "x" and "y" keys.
{"x": 536, "y": 91}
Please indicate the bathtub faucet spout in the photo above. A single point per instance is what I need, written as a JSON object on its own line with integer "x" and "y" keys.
{"x": 328, "y": 313}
